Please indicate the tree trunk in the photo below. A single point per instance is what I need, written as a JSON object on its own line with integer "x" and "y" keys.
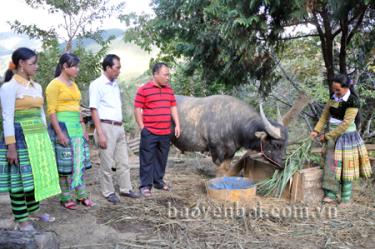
{"x": 326, "y": 39}
{"x": 69, "y": 46}
{"x": 344, "y": 36}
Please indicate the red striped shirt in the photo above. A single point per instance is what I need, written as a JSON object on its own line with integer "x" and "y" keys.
{"x": 156, "y": 103}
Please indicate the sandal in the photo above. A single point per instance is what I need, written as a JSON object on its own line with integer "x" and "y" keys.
{"x": 86, "y": 202}
{"x": 344, "y": 205}
{"x": 43, "y": 218}
{"x": 69, "y": 205}
{"x": 146, "y": 192}
{"x": 165, "y": 187}
{"x": 328, "y": 200}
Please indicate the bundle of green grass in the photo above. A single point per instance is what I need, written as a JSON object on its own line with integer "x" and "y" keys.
{"x": 296, "y": 159}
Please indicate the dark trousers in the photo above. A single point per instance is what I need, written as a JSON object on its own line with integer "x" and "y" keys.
{"x": 153, "y": 155}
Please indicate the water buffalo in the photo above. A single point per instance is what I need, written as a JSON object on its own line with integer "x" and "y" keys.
{"x": 223, "y": 124}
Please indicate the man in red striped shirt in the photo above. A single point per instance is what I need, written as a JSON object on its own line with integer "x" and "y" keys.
{"x": 154, "y": 106}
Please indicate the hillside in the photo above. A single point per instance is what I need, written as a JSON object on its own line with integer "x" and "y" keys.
{"x": 135, "y": 61}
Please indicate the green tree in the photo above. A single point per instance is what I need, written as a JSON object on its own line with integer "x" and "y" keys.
{"x": 231, "y": 41}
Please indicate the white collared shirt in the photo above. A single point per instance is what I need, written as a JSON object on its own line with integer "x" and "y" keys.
{"x": 105, "y": 97}
{"x": 9, "y": 93}
{"x": 343, "y": 98}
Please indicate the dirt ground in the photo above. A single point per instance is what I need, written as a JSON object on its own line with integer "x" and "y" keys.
{"x": 186, "y": 218}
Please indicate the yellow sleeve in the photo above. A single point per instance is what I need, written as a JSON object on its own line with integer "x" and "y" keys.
{"x": 323, "y": 119}
{"x": 52, "y": 95}
{"x": 349, "y": 117}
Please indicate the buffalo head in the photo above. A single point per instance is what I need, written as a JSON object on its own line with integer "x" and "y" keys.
{"x": 273, "y": 140}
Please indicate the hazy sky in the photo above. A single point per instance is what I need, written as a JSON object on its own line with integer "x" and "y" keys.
{"x": 134, "y": 60}
{"x": 18, "y": 9}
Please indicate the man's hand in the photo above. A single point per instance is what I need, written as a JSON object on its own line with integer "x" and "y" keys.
{"x": 102, "y": 141}
{"x": 177, "y": 131}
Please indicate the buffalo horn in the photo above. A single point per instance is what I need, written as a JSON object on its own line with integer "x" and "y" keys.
{"x": 273, "y": 131}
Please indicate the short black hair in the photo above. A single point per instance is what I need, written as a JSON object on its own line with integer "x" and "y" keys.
{"x": 108, "y": 60}
{"x": 157, "y": 66}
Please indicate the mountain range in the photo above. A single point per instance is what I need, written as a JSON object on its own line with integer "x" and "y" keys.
{"x": 134, "y": 60}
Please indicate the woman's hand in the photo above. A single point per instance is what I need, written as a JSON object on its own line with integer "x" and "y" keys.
{"x": 61, "y": 139}
{"x": 12, "y": 154}
{"x": 313, "y": 134}
{"x": 86, "y": 136}
{"x": 322, "y": 138}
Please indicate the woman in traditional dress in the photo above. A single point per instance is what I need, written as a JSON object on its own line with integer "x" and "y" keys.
{"x": 27, "y": 159}
{"x": 346, "y": 156}
{"x": 68, "y": 132}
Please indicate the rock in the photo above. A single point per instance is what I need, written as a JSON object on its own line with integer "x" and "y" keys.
{"x": 4, "y": 198}
{"x": 28, "y": 240}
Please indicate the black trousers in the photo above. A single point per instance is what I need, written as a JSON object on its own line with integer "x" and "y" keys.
{"x": 153, "y": 156}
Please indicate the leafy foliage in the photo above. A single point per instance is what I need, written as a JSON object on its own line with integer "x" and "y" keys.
{"x": 295, "y": 161}
{"x": 226, "y": 43}
{"x": 211, "y": 36}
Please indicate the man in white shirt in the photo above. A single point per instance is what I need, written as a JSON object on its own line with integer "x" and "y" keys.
{"x": 106, "y": 112}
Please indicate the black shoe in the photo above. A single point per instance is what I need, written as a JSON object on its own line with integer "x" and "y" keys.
{"x": 113, "y": 198}
{"x": 131, "y": 194}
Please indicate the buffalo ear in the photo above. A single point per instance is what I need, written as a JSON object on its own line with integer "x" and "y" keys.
{"x": 261, "y": 134}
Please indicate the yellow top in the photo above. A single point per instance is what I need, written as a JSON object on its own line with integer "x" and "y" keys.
{"x": 61, "y": 97}
{"x": 24, "y": 102}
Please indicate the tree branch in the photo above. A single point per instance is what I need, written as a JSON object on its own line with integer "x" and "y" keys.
{"x": 299, "y": 36}
{"x": 290, "y": 105}
{"x": 335, "y": 33}
{"x": 278, "y": 63}
{"x": 355, "y": 28}
{"x": 343, "y": 43}
{"x": 296, "y": 23}
{"x": 320, "y": 31}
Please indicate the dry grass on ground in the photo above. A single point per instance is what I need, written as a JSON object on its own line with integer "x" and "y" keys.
{"x": 186, "y": 218}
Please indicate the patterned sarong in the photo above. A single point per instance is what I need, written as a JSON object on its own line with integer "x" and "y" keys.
{"x": 351, "y": 158}
{"x": 75, "y": 158}
{"x": 346, "y": 160}
{"x": 37, "y": 165}
{"x": 329, "y": 171}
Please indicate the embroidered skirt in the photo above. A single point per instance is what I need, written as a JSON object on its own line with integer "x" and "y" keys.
{"x": 351, "y": 158}
{"x": 36, "y": 157}
{"x": 75, "y": 158}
